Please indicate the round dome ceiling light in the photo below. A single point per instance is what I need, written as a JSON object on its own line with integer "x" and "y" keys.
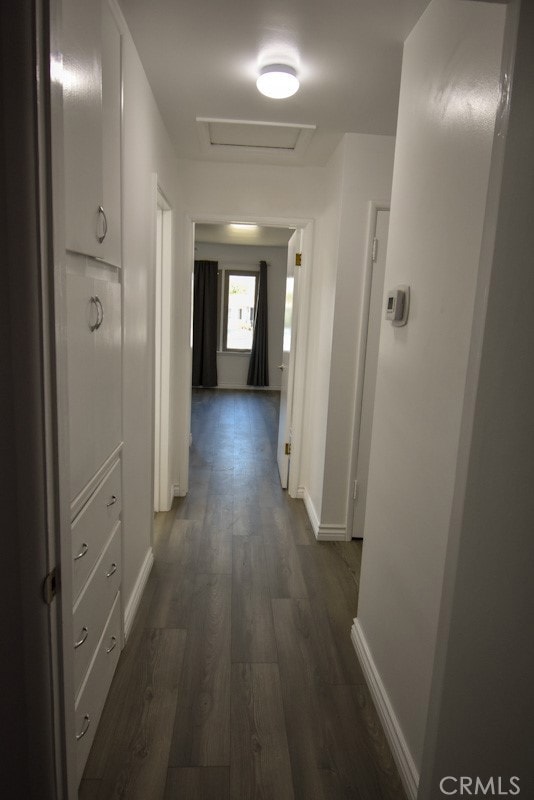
{"x": 278, "y": 81}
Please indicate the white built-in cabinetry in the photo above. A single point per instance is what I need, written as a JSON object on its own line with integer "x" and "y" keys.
{"x": 91, "y": 46}
{"x": 92, "y": 121}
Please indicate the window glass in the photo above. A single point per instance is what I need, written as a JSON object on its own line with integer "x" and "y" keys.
{"x": 240, "y": 298}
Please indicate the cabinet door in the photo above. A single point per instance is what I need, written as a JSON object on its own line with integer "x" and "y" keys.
{"x": 82, "y": 118}
{"x": 107, "y": 377}
{"x": 82, "y": 315}
{"x": 111, "y": 135}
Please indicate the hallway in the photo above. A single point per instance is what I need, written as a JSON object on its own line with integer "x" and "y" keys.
{"x": 239, "y": 679}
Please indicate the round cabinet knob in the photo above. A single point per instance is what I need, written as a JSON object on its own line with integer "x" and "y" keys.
{"x": 281, "y": 366}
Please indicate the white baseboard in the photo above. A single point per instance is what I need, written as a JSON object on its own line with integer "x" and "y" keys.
{"x": 240, "y": 387}
{"x": 137, "y": 593}
{"x": 177, "y": 492}
{"x": 331, "y": 533}
{"x": 399, "y": 748}
{"x": 323, "y": 531}
{"x": 300, "y": 493}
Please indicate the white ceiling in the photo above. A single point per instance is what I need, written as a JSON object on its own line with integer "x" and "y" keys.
{"x": 265, "y": 236}
{"x": 202, "y": 59}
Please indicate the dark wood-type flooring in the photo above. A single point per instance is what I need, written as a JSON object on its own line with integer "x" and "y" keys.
{"x": 239, "y": 679}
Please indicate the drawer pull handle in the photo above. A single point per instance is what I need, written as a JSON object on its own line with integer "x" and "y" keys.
{"x": 112, "y": 571}
{"x": 100, "y": 312}
{"x": 83, "y": 551}
{"x": 113, "y": 644}
{"x": 112, "y": 501}
{"x": 85, "y": 728}
{"x": 81, "y": 640}
{"x": 102, "y": 215}
{"x": 93, "y": 326}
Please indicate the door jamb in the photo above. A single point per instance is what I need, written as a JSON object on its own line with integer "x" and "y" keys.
{"x": 374, "y": 207}
{"x": 162, "y": 377}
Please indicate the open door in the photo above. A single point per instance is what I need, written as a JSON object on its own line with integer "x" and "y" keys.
{"x": 288, "y": 360}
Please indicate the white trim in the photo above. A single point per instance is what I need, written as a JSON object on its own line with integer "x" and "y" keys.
{"x": 310, "y": 508}
{"x": 324, "y": 532}
{"x": 374, "y": 207}
{"x": 162, "y": 319}
{"x": 299, "y": 494}
{"x": 399, "y": 747}
{"x": 244, "y": 387}
{"x": 137, "y": 592}
{"x": 305, "y": 133}
{"x": 307, "y": 226}
{"x": 331, "y": 533}
{"x": 176, "y": 491}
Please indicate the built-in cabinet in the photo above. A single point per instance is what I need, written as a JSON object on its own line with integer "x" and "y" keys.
{"x": 91, "y": 46}
{"x": 92, "y": 119}
{"x": 94, "y": 374}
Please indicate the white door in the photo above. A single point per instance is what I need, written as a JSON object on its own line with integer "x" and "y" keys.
{"x": 82, "y": 317}
{"x": 371, "y": 363}
{"x": 107, "y": 377}
{"x": 287, "y": 365}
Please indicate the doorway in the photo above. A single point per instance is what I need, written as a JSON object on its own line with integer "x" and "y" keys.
{"x": 163, "y": 490}
{"x": 233, "y": 375}
{"x": 363, "y": 424}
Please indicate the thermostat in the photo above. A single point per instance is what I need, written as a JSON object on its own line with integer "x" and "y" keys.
{"x": 397, "y": 304}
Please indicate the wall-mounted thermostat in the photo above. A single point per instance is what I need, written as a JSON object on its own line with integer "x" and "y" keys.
{"x": 397, "y": 305}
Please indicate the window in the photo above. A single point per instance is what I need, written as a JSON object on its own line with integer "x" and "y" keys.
{"x": 240, "y": 293}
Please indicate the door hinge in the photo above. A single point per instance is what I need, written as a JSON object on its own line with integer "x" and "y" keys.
{"x": 298, "y": 259}
{"x": 50, "y": 586}
{"x": 375, "y": 250}
{"x": 355, "y": 492}
{"x": 288, "y": 449}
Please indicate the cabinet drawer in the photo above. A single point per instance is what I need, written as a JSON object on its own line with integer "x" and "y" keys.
{"x": 94, "y": 691}
{"x": 93, "y": 525}
{"x": 93, "y": 605}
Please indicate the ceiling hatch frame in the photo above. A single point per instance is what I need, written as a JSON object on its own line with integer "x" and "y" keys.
{"x": 216, "y": 137}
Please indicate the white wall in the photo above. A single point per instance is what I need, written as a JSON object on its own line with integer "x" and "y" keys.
{"x": 367, "y": 175}
{"x": 146, "y": 150}
{"x": 448, "y": 100}
{"x": 326, "y": 245}
{"x": 482, "y": 701}
{"x": 232, "y": 368}
{"x": 359, "y": 171}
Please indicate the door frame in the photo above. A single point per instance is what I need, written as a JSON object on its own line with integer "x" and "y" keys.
{"x": 374, "y": 207}
{"x": 297, "y": 418}
{"x": 163, "y": 267}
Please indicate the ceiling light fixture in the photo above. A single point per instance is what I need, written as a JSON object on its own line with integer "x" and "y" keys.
{"x": 278, "y": 81}
{"x": 243, "y": 225}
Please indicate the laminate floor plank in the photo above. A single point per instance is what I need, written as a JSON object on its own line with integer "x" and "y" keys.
{"x": 260, "y": 765}
{"x": 283, "y": 563}
{"x": 181, "y": 546}
{"x": 201, "y": 734}
{"x": 253, "y": 638}
{"x": 131, "y": 754}
{"x": 169, "y": 599}
{"x": 216, "y": 537}
{"x": 310, "y": 763}
{"x": 198, "y": 783}
{"x": 373, "y": 740}
{"x": 89, "y": 790}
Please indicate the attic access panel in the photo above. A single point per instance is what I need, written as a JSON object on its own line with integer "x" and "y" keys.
{"x": 255, "y": 137}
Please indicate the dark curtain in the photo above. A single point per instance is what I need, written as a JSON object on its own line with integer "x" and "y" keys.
{"x": 258, "y": 370}
{"x": 205, "y": 324}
